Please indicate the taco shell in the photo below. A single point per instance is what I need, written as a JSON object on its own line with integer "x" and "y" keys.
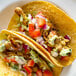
{"x": 6, "y": 71}
{"x": 59, "y": 19}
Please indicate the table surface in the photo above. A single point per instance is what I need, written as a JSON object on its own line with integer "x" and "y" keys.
{"x": 70, "y": 7}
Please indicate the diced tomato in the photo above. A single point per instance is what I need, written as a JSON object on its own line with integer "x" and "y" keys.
{"x": 36, "y": 33}
{"x": 30, "y": 74}
{"x": 65, "y": 58}
{"x": 6, "y": 60}
{"x": 13, "y": 60}
{"x": 31, "y": 63}
{"x": 10, "y": 60}
{"x": 47, "y": 73}
{"x": 26, "y": 51}
{"x": 41, "y": 22}
{"x": 28, "y": 69}
{"x": 31, "y": 27}
{"x": 20, "y": 29}
{"x": 49, "y": 49}
{"x": 39, "y": 73}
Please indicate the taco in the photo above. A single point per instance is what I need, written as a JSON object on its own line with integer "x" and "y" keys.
{"x": 49, "y": 28}
{"x": 23, "y": 57}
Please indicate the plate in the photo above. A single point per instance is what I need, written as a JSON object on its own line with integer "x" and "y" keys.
{"x": 7, "y": 10}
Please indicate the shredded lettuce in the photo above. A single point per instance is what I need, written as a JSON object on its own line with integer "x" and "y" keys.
{"x": 2, "y": 48}
{"x": 24, "y": 27}
{"x": 42, "y": 64}
{"x": 20, "y": 60}
{"x": 14, "y": 66}
{"x": 34, "y": 56}
{"x": 18, "y": 25}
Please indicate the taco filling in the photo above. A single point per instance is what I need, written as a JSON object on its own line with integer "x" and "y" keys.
{"x": 23, "y": 58}
{"x": 40, "y": 29}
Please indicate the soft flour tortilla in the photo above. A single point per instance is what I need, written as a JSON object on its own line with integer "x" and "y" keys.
{"x": 59, "y": 19}
{"x": 6, "y": 71}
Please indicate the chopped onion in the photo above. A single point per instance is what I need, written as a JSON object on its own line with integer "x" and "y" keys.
{"x": 41, "y": 41}
{"x": 37, "y": 27}
{"x": 45, "y": 26}
{"x": 54, "y": 54}
{"x": 67, "y": 37}
{"x": 3, "y": 41}
{"x": 34, "y": 20}
{"x": 20, "y": 66}
{"x": 25, "y": 46}
{"x": 20, "y": 60}
{"x": 40, "y": 16}
{"x": 30, "y": 17}
{"x": 21, "y": 18}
